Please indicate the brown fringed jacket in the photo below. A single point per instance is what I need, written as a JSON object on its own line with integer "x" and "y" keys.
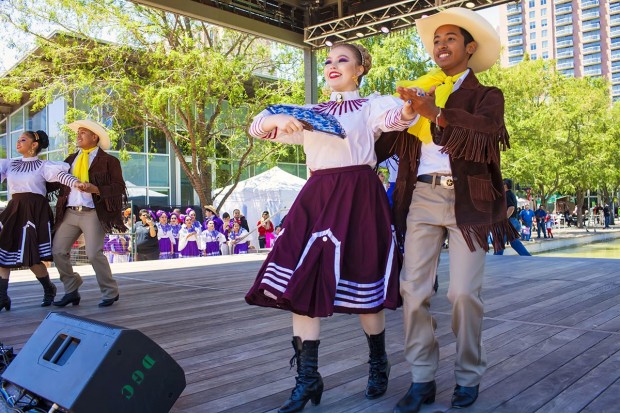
{"x": 474, "y": 137}
{"x": 104, "y": 172}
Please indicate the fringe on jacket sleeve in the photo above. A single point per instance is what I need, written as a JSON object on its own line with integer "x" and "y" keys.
{"x": 475, "y": 146}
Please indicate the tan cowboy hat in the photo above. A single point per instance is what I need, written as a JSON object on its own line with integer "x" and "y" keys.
{"x": 94, "y": 127}
{"x": 489, "y": 45}
{"x": 211, "y": 208}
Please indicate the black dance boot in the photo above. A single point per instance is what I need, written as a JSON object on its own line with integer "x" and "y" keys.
{"x": 309, "y": 383}
{"x": 49, "y": 291}
{"x": 5, "y": 301}
{"x": 379, "y": 370}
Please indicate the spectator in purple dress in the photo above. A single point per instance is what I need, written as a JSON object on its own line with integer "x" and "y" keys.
{"x": 189, "y": 239}
{"x": 175, "y": 227}
{"x": 165, "y": 236}
{"x": 212, "y": 240}
{"x": 238, "y": 242}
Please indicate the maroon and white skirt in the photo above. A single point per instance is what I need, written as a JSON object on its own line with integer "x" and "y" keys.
{"x": 337, "y": 252}
{"x": 26, "y": 231}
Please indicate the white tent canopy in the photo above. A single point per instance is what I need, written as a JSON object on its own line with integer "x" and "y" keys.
{"x": 134, "y": 191}
{"x": 273, "y": 191}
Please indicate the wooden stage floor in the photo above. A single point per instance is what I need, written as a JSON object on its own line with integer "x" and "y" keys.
{"x": 551, "y": 331}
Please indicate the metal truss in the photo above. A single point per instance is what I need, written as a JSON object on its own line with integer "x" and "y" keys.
{"x": 396, "y": 16}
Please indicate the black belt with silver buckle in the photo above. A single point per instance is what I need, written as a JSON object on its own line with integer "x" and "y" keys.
{"x": 80, "y": 208}
{"x": 445, "y": 181}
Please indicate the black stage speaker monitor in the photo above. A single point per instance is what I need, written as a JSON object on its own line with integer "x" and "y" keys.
{"x": 88, "y": 366}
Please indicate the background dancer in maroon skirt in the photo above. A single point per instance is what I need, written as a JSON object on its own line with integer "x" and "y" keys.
{"x": 26, "y": 223}
{"x": 336, "y": 251}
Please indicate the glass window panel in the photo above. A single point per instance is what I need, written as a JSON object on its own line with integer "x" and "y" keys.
{"x": 131, "y": 140}
{"x": 56, "y": 156}
{"x": 159, "y": 170}
{"x": 17, "y": 120}
{"x": 157, "y": 141}
{"x": 134, "y": 169}
{"x": 187, "y": 191}
{"x": 159, "y": 197}
{"x": 37, "y": 120}
{"x": 11, "y": 145}
{"x": 56, "y": 119}
{"x": 3, "y": 127}
{"x": 223, "y": 173}
{"x": 3, "y": 146}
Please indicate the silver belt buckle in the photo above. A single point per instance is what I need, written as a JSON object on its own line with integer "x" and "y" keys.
{"x": 446, "y": 182}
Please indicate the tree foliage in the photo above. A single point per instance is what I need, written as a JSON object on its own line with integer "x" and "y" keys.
{"x": 197, "y": 84}
{"x": 561, "y": 130}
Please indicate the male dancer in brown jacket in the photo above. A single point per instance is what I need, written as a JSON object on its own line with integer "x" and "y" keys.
{"x": 93, "y": 211}
{"x": 449, "y": 181}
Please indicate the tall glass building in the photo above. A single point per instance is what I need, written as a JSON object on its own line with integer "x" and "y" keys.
{"x": 582, "y": 35}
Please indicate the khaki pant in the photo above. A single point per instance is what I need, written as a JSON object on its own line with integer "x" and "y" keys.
{"x": 431, "y": 217}
{"x": 74, "y": 224}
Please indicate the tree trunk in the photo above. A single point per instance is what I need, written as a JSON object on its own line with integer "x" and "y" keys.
{"x": 580, "y": 196}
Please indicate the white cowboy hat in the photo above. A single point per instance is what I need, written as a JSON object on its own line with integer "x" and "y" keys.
{"x": 489, "y": 45}
{"x": 94, "y": 127}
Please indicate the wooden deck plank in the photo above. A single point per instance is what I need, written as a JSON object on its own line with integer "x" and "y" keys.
{"x": 551, "y": 332}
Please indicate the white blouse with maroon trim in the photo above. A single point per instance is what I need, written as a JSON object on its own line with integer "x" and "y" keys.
{"x": 363, "y": 119}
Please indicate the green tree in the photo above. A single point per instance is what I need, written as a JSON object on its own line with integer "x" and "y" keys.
{"x": 557, "y": 128}
{"x": 198, "y": 84}
{"x": 583, "y": 105}
{"x": 529, "y": 115}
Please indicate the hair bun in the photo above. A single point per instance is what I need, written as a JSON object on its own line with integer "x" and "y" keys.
{"x": 44, "y": 140}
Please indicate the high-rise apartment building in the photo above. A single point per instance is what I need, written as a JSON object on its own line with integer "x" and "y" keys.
{"x": 582, "y": 35}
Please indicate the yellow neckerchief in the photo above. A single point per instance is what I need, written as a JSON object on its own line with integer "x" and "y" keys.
{"x": 444, "y": 83}
{"x": 80, "y": 170}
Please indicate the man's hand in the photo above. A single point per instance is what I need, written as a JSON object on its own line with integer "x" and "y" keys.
{"x": 88, "y": 187}
{"x": 422, "y": 103}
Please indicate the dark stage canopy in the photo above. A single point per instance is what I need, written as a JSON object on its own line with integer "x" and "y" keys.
{"x": 312, "y": 23}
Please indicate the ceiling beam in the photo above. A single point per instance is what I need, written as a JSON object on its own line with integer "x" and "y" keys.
{"x": 227, "y": 19}
{"x": 396, "y": 15}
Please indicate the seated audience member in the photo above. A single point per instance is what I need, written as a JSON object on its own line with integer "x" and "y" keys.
{"x": 189, "y": 239}
{"x": 212, "y": 240}
{"x": 238, "y": 243}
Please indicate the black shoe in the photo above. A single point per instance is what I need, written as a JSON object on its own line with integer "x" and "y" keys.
{"x": 48, "y": 295}
{"x": 418, "y": 394}
{"x": 464, "y": 396}
{"x": 109, "y": 301}
{"x": 71, "y": 298}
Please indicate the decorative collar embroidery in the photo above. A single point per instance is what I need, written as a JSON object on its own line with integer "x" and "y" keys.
{"x": 334, "y": 108}
{"x": 19, "y": 165}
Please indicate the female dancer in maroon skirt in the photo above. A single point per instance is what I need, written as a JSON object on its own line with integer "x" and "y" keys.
{"x": 336, "y": 251}
{"x": 26, "y": 223}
